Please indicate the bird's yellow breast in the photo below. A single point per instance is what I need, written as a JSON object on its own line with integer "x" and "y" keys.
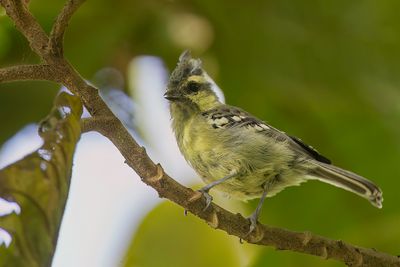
{"x": 200, "y": 146}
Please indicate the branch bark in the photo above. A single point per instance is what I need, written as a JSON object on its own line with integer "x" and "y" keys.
{"x": 98, "y": 124}
{"x": 28, "y": 72}
{"x": 152, "y": 174}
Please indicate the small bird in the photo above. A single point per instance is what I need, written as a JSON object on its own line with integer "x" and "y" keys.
{"x": 239, "y": 154}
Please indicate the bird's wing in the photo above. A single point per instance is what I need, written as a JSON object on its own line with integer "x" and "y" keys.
{"x": 228, "y": 116}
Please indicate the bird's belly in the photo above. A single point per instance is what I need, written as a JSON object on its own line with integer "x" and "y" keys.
{"x": 251, "y": 186}
{"x": 249, "y": 183}
{"x": 212, "y": 164}
{"x": 247, "y": 186}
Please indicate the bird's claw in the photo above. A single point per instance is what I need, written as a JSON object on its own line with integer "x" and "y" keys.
{"x": 253, "y": 223}
{"x": 208, "y": 197}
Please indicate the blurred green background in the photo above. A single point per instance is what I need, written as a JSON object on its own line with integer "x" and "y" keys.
{"x": 325, "y": 71}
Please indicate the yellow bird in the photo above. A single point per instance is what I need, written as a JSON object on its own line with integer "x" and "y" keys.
{"x": 239, "y": 154}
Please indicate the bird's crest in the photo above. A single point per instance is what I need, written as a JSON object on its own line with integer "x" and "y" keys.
{"x": 187, "y": 66}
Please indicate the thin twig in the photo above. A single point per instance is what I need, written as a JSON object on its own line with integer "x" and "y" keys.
{"x": 58, "y": 30}
{"x": 153, "y": 175}
{"x": 28, "y": 72}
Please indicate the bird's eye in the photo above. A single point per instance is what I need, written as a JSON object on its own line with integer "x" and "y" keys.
{"x": 193, "y": 87}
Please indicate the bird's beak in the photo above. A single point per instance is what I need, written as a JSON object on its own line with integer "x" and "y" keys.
{"x": 172, "y": 95}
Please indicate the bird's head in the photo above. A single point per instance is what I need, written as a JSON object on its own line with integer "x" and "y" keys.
{"x": 189, "y": 85}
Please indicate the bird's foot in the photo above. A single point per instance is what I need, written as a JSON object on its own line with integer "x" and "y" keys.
{"x": 208, "y": 197}
{"x": 253, "y": 222}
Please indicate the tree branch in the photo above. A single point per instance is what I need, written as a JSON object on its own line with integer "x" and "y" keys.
{"x": 58, "y": 30}
{"x": 104, "y": 121}
{"x": 28, "y": 72}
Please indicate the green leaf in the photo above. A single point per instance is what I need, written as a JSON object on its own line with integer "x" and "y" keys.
{"x": 39, "y": 183}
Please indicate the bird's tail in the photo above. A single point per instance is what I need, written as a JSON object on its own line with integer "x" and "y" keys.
{"x": 349, "y": 181}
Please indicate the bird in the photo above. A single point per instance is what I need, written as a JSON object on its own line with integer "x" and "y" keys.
{"x": 239, "y": 154}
